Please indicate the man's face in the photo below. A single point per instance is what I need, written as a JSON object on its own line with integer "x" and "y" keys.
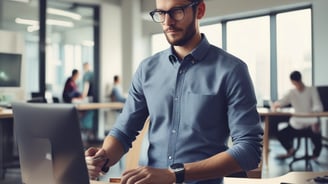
{"x": 178, "y": 33}
{"x": 297, "y": 84}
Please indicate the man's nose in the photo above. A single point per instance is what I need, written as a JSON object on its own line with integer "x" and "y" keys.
{"x": 168, "y": 20}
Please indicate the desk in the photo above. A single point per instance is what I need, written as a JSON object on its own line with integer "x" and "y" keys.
{"x": 266, "y": 113}
{"x": 6, "y": 113}
{"x": 291, "y": 177}
{"x": 6, "y": 127}
{"x": 94, "y": 106}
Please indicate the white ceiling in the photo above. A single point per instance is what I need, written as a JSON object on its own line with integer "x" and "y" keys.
{"x": 10, "y": 10}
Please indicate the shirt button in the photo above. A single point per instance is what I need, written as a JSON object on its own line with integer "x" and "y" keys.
{"x": 170, "y": 157}
{"x": 176, "y": 98}
{"x": 174, "y": 131}
{"x": 181, "y": 71}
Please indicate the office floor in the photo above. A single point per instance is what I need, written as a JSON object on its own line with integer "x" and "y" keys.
{"x": 276, "y": 167}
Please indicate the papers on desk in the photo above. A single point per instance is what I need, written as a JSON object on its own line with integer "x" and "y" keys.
{"x": 267, "y": 110}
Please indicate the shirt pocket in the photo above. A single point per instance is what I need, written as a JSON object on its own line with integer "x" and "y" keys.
{"x": 200, "y": 110}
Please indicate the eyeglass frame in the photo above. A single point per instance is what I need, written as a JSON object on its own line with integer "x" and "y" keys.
{"x": 171, "y": 12}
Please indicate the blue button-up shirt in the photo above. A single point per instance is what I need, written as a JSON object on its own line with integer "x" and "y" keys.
{"x": 194, "y": 106}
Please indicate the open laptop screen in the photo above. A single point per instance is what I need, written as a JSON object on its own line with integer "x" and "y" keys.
{"x": 49, "y": 144}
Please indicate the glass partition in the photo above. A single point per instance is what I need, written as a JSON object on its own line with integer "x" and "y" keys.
{"x": 20, "y": 17}
{"x": 70, "y": 43}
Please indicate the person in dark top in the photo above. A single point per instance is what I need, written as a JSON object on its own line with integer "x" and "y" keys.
{"x": 71, "y": 91}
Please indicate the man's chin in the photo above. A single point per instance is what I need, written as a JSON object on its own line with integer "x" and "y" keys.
{"x": 173, "y": 41}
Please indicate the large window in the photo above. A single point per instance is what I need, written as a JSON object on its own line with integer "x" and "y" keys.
{"x": 249, "y": 39}
{"x": 70, "y": 43}
{"x": 213, "y": 33}
{"x": 158, "y": 43}
{"x": 294, "y": 48}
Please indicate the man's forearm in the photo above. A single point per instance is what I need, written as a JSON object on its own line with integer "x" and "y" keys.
{"x": 219, "y": 165}
{"x": 113, "y": 148}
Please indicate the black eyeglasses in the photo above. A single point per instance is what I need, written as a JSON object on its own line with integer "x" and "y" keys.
{"x": 176, "y": 13}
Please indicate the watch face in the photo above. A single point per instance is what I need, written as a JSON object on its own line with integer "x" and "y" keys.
{"x": 177, "y": 166}
{"x": 178, "y": 169}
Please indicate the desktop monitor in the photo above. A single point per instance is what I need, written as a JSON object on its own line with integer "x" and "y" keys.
{"x": 49, "y": 144}
{"x": 10, "y": 69}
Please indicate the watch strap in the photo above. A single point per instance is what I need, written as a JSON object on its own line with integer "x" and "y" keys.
{"x": 179, "y": 171}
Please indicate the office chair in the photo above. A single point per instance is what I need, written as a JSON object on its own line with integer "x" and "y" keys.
{"x": 306, "y": 136}
{"x": 37, "y": 100}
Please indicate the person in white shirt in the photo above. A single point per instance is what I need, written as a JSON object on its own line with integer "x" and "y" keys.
{"x": 304, "y": 99}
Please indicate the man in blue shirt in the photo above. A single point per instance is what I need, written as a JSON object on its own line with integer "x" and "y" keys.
{"x": 196, "y": 96}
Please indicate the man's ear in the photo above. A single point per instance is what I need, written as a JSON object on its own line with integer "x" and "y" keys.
{"x": 201, "y": 10}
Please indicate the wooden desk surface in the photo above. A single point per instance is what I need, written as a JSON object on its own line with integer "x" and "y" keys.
{"x": 291, "y": 177}
{"x": 6, "y": 113}
{"x": 289, "y": 112}
{"x": 102, "y": 105}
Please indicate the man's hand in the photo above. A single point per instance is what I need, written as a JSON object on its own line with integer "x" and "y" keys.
{"x": 148, "y": 175}
{"x": 97, "y": 162}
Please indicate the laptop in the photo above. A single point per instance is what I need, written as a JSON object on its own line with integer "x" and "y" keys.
{"x": 49, "y": 144}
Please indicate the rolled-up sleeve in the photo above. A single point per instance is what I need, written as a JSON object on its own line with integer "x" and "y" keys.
{"x": 244, "y": 122}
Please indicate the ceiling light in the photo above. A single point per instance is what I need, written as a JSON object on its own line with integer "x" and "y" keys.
{"x": 49, "y": 22}
{"x": 64, "y": 13}
{"x": 60, "y": 23}
{"x": 21, "y": 1}
{"x": 33, "y": 28}
{"x": 26, "y": 21}
{"x": 88, "y": 43}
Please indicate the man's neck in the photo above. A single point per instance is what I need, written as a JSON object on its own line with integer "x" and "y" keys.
{"x": 301, "y": 87}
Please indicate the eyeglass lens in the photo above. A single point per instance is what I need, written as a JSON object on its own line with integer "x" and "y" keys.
{"x": 175, "y": 13}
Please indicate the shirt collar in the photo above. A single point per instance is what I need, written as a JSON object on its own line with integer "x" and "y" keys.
{"x": 197, "y": 53}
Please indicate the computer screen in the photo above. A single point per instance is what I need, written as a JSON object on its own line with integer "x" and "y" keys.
{"x": 10, "y": 69}
{"x": 49, "y": 144}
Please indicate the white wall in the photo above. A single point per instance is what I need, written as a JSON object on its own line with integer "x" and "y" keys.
{"x": 320, "y": 49}
{"x": 110, "y": 56}
{"x": 110, "y": 45}
{"x": 320, "y": 41}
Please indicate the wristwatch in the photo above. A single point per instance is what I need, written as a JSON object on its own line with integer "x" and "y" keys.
{"x": 179, "y": 171}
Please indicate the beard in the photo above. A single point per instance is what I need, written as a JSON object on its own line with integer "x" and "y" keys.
{"x": 189, "y": 32}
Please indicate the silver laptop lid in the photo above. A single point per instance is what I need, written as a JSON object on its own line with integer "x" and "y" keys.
{"x": 49, "y": 144}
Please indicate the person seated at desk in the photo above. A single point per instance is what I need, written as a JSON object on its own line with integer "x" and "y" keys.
{"x": 71, "y": 92}
{"x": 304, "y": 99}
{"x": 116, "y": 93}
